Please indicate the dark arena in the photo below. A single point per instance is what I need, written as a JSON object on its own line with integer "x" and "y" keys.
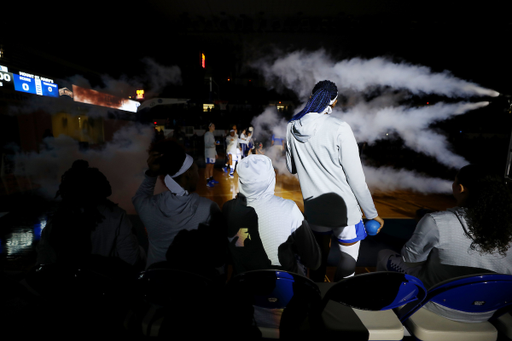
{"x": 256, "y": 170}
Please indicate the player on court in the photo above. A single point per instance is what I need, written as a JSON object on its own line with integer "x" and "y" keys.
{"x": 321, "y": 149}
{"x": 232, "y": 151}
{"x": 210, "y": 154}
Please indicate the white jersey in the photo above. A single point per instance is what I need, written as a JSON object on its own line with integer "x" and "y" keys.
{"x": 232, "y": 144}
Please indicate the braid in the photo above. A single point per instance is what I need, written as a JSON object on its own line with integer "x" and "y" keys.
{"x": 323, "y": 93}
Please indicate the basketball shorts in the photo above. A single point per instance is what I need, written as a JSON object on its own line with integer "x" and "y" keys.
{"x": 348, "y": 234}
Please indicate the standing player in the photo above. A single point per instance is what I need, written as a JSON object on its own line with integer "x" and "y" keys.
{"x": 322, "y": 151}
{"x": 232, "y": 151}
{"x": 244, "y": 143}
{"x": 210, "y": 154}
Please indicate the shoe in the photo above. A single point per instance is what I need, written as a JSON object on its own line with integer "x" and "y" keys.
{"x": 231, "y": 175}
{"x": 209, "y": 184}
{"x": 213, "y": 181}
{"x": 225, "y": 169}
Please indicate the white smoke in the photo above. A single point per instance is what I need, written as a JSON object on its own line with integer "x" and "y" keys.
{"x": 411, "y": 124}
{"x": 123, "y": 161}
{"x": 301, "y": 70}
{"x": 373, "y": 120}
{"x": 153, "y": 80}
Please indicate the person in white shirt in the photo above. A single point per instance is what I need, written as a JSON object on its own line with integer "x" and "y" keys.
{"x": 232, "y": 151}
{"x": 473, "y": 238}
{"x": 244, "y": 140}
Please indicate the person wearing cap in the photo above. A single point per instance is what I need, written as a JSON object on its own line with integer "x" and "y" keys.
{"x": 210, "y": 154}
{"x": 322, "y": 150}
{"x": 264, "y": 230}
{"x": 179, "y": 208}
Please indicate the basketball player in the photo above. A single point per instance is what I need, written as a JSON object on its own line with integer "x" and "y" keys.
{"x": 322, "y": 151}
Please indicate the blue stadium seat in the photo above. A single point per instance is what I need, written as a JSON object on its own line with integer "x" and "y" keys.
{"x": 280, "y": 301}
{"x": 361, "y": 307}
{"x": 475, "y": 297}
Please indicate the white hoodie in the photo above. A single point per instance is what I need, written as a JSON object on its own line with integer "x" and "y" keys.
{"x": 278, "y": 218}
{"x": 322, "y": 151}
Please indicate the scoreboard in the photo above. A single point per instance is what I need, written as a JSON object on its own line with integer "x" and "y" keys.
{"x": 42, "y": 86}
{"x": 26, "y": 82}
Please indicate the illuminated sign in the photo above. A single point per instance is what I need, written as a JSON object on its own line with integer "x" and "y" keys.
{"x": 6, "y": 80}
{"x": 29, "y": 83}
{"x": 94, "y": 97}
{"x": 203, "y": 60}
{"x": 42, "y": 86}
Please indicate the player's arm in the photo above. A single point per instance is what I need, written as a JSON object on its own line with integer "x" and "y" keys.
{"x": 147, "y": 187}
{"x": 351, "y": 163}
{"x": 290, "y": 163}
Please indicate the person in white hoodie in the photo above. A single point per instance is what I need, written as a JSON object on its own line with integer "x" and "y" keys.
{"x": 264, "y": 230}
{"x": 179, "y": 208}
{"x": 321, "y": 149}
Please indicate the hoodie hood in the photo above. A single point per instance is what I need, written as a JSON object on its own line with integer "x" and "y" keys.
{"x": 256, "y": 177}
{"x": 305, "y": 128}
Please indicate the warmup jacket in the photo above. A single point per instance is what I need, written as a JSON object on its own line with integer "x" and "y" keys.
{"x": 264, "y": 230}
{"x": 322, "y": 151}
{"x": 165, "y": 214}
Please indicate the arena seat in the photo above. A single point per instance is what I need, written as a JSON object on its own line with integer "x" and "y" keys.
{"x": 361, "y": 307}
{"x": 281, "y": 302}
{"x": 489, "y": 294}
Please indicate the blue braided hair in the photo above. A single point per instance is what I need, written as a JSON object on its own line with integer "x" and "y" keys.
{"x": 322, "y": 95}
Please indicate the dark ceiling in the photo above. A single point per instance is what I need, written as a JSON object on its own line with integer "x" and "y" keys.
{"x": 471, "y": 41}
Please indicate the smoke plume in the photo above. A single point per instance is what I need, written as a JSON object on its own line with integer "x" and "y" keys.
{"x": 123, "y": 161}
{"x": 383, "y": 115}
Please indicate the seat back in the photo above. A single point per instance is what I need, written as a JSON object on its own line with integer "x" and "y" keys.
{"x": 377, "y": 291}
{"x": 473, "y": 294}
{"x": 271, "y": 289}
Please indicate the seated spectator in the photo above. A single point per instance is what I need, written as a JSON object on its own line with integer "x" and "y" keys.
{"x": 472, "y": 238}
{"x": 266, "y": 231}
{"x": 87, "y": 223}
{"x": 202, "y": 250}
{"x": 179, "y": 208}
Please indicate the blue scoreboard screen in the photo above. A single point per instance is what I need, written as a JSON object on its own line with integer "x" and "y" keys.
{"x": 29, "y": 83}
